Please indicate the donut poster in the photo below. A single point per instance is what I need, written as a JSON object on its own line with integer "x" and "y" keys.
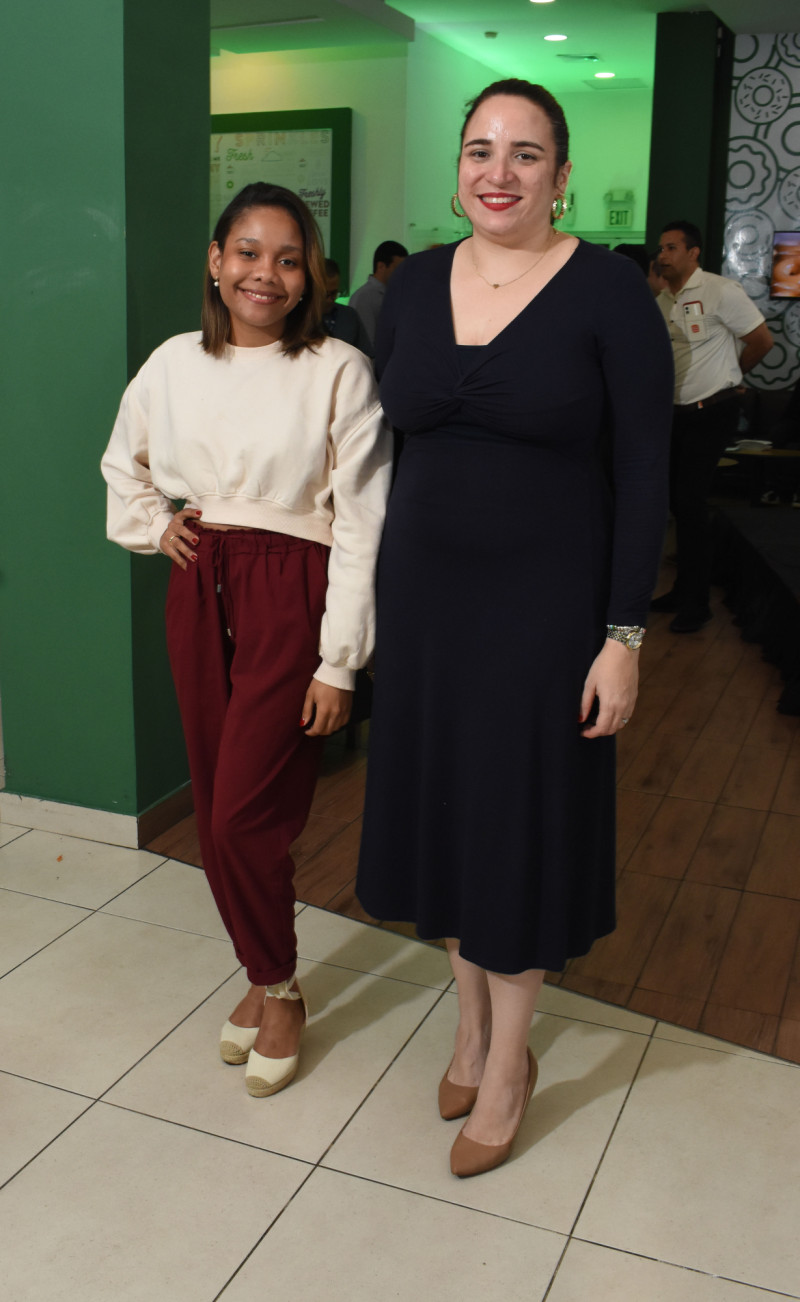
{"x": 299, "y": 160}
{"x": 763, "y": 194}
{"x": 305, "y": 150}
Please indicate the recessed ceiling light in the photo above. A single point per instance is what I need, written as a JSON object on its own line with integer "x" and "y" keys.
{"x": 605, "y": 74}
{"x": 555, "y": 38}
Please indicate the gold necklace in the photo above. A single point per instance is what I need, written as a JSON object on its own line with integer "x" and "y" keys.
{"x": 502, "y": 284}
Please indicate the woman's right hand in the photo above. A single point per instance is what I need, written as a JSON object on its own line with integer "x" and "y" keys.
{"x": 180, "y": 538}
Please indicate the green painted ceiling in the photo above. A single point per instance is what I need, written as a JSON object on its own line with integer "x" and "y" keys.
{"x": 619, "y": 33}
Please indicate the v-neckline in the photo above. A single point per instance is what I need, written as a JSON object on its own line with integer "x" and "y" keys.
{"x": 522, "y": 310}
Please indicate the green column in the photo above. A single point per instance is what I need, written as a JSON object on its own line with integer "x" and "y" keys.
{"x": 105, "y": 222}
{"x": 691, "y": 125}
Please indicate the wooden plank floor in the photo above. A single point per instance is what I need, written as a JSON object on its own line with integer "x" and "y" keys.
{"x": 708, "y": 845}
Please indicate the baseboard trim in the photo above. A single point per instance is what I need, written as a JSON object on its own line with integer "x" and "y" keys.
{"x": 161, "y": 817}
{"x": 96, "y": 824}
{"x": 69, "y": 820}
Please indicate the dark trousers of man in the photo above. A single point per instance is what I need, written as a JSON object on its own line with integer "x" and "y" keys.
{"x": 243, "y": 627}
{"x": 699, "y": 437}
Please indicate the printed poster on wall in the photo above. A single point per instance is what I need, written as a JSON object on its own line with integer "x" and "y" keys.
{"x": 300, "y": 160}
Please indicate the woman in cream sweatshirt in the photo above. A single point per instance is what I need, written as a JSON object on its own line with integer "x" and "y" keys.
{"x": 273, "y": 437}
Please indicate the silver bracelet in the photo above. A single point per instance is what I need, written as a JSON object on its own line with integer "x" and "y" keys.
{"x": 631, "y": 634}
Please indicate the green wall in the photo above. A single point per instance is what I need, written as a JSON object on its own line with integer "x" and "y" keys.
{"x": 104, "y": 213}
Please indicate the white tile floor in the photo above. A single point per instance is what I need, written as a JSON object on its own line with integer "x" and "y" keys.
{"x": 653, "y": 1165}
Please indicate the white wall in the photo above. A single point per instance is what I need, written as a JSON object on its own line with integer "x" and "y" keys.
{"x": 408, "y": 106}
{"x": 440, "y": 83}
{"x": 373, "y": 87}
{"x": 609, "y": 138}
{"x": 610, "y": 149}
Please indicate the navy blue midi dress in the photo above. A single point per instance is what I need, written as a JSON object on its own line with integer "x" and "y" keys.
{"x": 528, "y": 512}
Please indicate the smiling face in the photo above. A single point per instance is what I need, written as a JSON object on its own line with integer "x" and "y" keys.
{"x": 507, "y": 173}
{"x": 262, "y": 274}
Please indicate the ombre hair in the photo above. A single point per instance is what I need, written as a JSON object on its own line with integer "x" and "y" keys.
{"x": 303, "y": 328}
{"x": 536, "y": 95}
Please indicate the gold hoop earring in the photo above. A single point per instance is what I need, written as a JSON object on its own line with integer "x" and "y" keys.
{"x": 453, "y": 203}
{"x": 560, "y": 207}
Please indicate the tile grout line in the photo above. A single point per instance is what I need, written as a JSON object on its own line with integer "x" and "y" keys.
{"x": 91, "y": 1103}
{"x": 612, "y": 1133}
{"x": 707, "y": 1001}
{"x": 93, "y": 1100}
{"x": 621, "y": 867}
{"x": 692, "y": 1270}
{"x": 442, "y": 994}
{"x": 795, "y": 965}
{"x": 91, "y": 913}
{"x": 263, "y": 1236}
{"x": 101, "y": 1098}
{"x": 318, "y": 1164}
{"x": 47, "y": 943}
{"x": 21, "y": 831}
{"x": 789, "y": 750}
{"x": 571, "y": 1233}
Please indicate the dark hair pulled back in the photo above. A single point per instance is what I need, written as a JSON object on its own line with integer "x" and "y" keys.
{"x": 535, "y": 94}
{"x": 303, "y": 326}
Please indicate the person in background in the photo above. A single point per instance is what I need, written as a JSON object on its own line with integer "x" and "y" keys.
{"x": 637, "y": 253}
{"x": 368, "y": 300}
{"x": 340, "y": 321}
{"x": 273, "y": 436}
{"x": 532, "y": 376}
{"x": 649, "y": 265}
{"x": 717, "y": 335}
{"x": 654, "y": 277}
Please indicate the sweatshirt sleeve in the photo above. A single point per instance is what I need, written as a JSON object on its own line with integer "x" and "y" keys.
{"x": 361, "y": 441}
{"x": 138, "y": 513}
{"x": 636, "y": 358}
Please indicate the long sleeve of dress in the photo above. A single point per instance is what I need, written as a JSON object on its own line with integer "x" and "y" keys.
{"x": 636, "y": 360}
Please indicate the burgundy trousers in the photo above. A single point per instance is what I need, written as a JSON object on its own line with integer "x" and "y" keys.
{"x": 243, "y": 626}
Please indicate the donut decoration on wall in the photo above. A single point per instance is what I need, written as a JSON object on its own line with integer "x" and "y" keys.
{"x": 763, "y": 194}
{"x": 763, "y": 95}
{"x": 752, "y": 172}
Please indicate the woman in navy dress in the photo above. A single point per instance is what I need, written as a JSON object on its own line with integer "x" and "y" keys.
{"x": 532, "y": 377}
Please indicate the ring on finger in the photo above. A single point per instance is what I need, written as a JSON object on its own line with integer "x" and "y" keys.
{"x": 172, "y": 539}
{"x": 626, "y": 721}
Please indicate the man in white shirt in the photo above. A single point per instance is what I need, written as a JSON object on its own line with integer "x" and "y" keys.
{"x": 368, "y": 299}
{"x": 717, "y": 334}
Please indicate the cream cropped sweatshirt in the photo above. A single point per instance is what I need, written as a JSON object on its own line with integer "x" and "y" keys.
{"x": 298, "y": 445}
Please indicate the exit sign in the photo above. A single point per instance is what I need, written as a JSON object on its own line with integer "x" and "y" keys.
{"x": 619, "y": 217}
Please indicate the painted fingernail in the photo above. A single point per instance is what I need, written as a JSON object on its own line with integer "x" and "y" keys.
{"x": 195, "y": 541}
{"x": 302, "y": 723}
{"x": 194, "y": 558}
